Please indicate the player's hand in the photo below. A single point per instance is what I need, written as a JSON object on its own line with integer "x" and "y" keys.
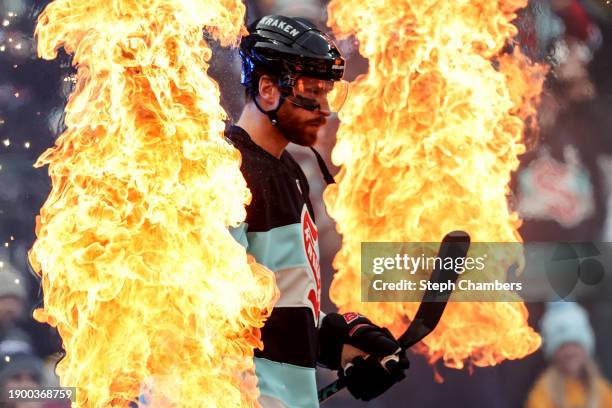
{"x": 367, "y": 355}
{"x": 354, "y": 330}
{"x": 369, "y": 377}
{"x": 349, "y": 353}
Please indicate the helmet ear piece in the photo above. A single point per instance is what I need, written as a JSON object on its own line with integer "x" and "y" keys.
{"x": 248, "y": 67}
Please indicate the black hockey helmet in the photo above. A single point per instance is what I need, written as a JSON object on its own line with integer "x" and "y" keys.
{"x": 306, "y": 61}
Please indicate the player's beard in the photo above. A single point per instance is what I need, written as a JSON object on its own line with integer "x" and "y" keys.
{"x": 297, "y": 130}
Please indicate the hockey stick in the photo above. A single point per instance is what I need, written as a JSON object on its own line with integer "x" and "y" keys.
{"x": 455, "y": 245}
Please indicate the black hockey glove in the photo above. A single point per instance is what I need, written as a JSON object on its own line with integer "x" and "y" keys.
{"x": 366, "y": 377}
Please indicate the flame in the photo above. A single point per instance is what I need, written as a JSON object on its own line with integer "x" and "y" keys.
{"x": 140, "y": 275}
{"x": 427, "y": 143}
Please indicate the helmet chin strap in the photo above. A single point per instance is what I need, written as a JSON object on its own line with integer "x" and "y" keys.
{"x": 271, "y": 114}
{"x": 329, "y": 179}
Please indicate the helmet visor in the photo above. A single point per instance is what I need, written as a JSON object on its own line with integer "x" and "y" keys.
{"x": 312, "y": 94}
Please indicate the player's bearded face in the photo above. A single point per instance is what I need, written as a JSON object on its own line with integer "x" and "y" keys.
{"x": 300, "y": 126}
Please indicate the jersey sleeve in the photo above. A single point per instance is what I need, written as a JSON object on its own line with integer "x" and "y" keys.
{"x": 240, "y": 234}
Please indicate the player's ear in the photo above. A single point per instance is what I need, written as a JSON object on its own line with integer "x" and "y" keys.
{"x": 268, "y": 92}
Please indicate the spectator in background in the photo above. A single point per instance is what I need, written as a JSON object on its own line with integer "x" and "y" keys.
{"x": 560, "y": 187}
{"x": 577, "y": 22}
{"x": 19, "y": 369}
{"x": 16, "y": 317}
{"x": 572, "y": 380}
{"x": 12, "y": 301}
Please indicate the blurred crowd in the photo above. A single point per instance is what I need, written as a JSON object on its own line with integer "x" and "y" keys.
{"x": 563, "y": 191}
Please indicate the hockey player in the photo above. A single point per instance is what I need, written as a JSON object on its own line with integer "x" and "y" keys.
{"x": 293, "y": 78}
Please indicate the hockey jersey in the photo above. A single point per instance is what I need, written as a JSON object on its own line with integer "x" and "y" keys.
{"x": 280, "y": 232}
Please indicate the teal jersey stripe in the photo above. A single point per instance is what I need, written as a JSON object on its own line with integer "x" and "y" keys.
{"x": 295, "y": 386}
{"x": 279, "y": 248}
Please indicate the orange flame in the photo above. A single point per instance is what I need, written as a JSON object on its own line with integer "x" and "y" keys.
{"x": 140, "y": 274}
{"x": 427, "y": 142}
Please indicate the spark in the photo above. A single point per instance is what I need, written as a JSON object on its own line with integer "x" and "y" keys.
{"x": 11, "y": 14}
{"x": 18, "y": 46}
{"x": 26, "y": 145}
{"x": 12, "y": 238}
{"x": 5, "y": 23}
{"x": 2, "y": 48}
{"x": 17, "y": 281}
{"x": 16, "y": 94}
{"x": 7, "y": 359}
{"x": 6, "y": 142}
{"x": 10, "y": 40}
{"x": 6, "y": 244}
